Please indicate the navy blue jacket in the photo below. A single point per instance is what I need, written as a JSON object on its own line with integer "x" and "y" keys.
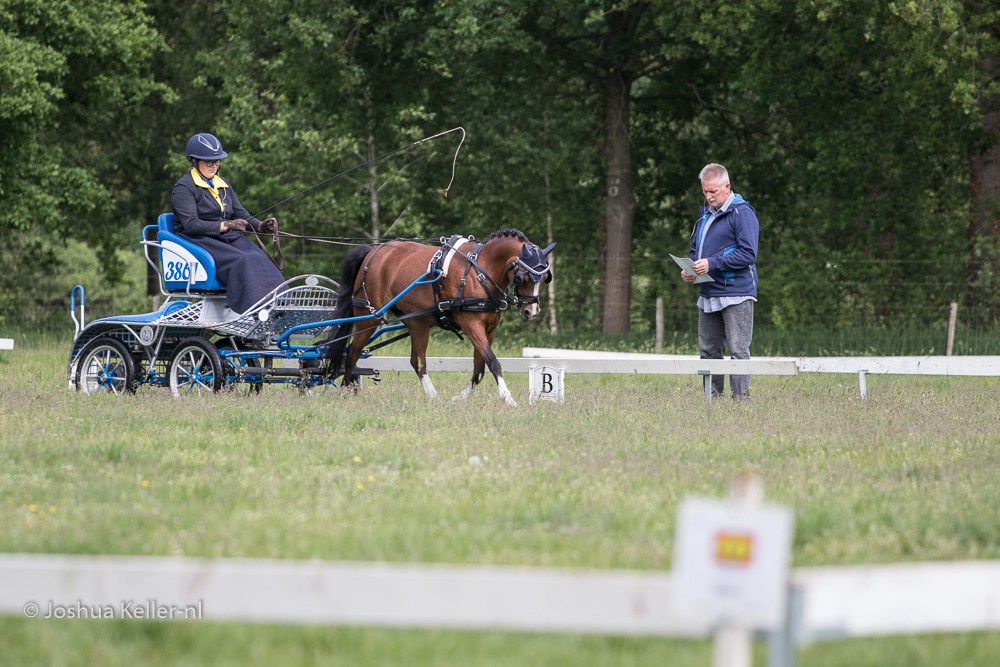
{"x": 730, "y": 246}
{"x": 197, "y": 212}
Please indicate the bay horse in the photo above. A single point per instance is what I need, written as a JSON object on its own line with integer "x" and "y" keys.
{"x": 477, "y": 282}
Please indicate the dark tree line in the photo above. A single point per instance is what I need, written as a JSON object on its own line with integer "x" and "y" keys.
{"x": 864, "y": 133}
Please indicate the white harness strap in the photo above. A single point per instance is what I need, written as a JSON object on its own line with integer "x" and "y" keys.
{"x": 447, "y": 258}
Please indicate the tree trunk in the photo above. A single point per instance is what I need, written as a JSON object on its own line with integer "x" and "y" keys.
{"x": 553, "y": 326}
{"x": 620, "y": 206}
{"x": 373, "y": 188}
{"x": 984, "y": 188}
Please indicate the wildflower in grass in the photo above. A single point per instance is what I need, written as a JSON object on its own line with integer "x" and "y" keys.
{"x": 181, "y": 476}
{"x": 241, "y": 428}
{"x": 371, "y": 478}
{"x": 360, "y": 486}
{"x": 145, "y": 483}
{"x": 32, "y": 508}
{"x": 357, "y": 459}
{"x": 41, "y": 514}
{"x": 190, "y": 492}
{"x": 52, "y": 509}
{"x": 30, "y": 520}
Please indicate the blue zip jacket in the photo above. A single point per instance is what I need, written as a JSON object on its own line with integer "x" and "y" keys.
{"x": 730, "y": 246}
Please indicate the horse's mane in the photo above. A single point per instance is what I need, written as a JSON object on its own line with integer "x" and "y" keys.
{"x": 508, "y": 232}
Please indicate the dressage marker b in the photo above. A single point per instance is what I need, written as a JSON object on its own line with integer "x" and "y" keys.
{"x": 546, "y": 383}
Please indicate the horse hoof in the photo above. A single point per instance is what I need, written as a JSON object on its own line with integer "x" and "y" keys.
{"x": 460, "y": 397}
{"x": 510, "y": 402}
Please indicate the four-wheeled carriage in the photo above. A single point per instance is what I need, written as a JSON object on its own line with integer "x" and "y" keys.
{"x": 194, "y": 344}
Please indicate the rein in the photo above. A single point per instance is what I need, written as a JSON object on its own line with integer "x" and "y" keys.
{"x": 331, "y": 240}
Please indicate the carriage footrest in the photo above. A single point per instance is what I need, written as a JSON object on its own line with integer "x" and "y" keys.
{"x": 295, "y": 372}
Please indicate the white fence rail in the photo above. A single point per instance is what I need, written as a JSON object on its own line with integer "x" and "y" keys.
{"x": 910, "y": 598}
{"x": 972, "y": 366}
{"x": 642, "y": 366}
{"x": 828, "y": 603}
{"x": 978, "y": 366}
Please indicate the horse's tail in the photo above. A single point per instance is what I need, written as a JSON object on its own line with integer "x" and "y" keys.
{"x": 345, "y": 308}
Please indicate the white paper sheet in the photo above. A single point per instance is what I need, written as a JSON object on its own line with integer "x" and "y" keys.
{"x": 685, "y": 264}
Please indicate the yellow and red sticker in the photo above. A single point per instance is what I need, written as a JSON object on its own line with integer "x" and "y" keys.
{"x": 734, "y": 548}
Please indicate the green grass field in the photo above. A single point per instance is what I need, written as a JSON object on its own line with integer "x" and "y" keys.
{"x": 911, "y": 474}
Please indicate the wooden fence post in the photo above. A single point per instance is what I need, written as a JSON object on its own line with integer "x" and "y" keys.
{"x": 659, "y": 324}
{"x": 952, "y": 316}
{"x": 732, "y": 643}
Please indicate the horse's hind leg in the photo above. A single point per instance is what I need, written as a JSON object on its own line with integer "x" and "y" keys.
{"x": 353, "y": 354}
{"x": 478, "y": 370}
{"x": 419, "y": 336}
{"x": 482, "y": 341}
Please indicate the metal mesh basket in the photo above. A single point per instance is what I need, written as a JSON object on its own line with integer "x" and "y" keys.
{"x": 287, "y": 309}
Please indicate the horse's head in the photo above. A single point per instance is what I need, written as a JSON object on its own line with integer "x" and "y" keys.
{"x": 530, "y": 268}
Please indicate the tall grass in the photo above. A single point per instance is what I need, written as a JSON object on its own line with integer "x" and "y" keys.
{"x": 911, "y": 474}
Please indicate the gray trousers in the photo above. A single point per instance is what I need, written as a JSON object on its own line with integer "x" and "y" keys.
{"x": 734, "y": 324}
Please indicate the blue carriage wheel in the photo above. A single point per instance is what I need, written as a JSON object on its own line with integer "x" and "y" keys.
{"x": 105, "y": 365}
{"x": 196, "y": 369}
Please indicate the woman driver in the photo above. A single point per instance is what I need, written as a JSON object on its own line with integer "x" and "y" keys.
{"x": 206, "y": 211}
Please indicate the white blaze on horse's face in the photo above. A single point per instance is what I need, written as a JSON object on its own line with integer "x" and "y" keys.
{"x": 532, "y": 309}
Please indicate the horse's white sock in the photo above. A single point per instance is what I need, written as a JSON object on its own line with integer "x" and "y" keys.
{"x": 466, "y": 393}
{"x": 428, "y": 386}
{"x": 505, "y": 393}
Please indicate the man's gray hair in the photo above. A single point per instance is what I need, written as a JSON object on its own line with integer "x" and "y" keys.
{"x": 714, "y": 173}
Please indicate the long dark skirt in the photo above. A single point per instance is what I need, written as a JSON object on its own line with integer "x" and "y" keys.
{"x": 248, "y": 274}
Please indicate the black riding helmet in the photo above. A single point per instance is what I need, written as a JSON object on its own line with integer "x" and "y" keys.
{"x": 204, "y": 146}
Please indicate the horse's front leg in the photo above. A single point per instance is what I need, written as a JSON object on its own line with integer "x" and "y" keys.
{"x": 481, "y": 342}
{"x": 419, "y": 337}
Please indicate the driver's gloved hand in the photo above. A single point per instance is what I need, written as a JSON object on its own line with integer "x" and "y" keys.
{"x": 238, "y": 225}
{"x": 268, "y": 226}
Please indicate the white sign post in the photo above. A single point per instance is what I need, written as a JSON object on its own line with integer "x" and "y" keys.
{"x": 731, "y": 561}
{"x": 6, "y": 343}
{"x": 546, "y": 383}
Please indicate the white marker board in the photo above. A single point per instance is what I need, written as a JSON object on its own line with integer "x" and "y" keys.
{"x": 731, "y": 561}
{"x": 546, "y": 383}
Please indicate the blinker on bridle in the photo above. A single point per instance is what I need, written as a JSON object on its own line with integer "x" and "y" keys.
{"x": 522, "y": 270}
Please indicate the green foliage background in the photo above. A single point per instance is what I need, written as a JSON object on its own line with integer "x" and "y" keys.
{"x": 849, "y": 126}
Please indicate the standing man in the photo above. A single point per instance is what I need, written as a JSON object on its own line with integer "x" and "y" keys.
{"x": 724, "y": 246}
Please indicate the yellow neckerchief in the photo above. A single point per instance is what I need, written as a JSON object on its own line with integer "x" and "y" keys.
{"x": 200, "y": 181}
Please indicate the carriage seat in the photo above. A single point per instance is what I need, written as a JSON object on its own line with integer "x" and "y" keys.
{"x": 179, "y": 256}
